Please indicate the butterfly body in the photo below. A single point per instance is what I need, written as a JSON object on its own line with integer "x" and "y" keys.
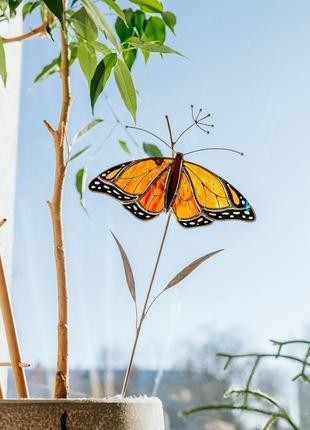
{"x": 150, "y": 186}
{"x": 173, "y": 180}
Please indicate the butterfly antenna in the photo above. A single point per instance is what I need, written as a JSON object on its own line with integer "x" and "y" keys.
{"x": 213, "y": 149}
{"x": 151, "y": 133}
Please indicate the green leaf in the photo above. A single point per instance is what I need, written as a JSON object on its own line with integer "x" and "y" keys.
{"x": 152, "y": 46}
{"x": 113, "y": 5}
{"x": 152, "y": 150}
{"x": 146, "y": 55}
{"x": 13, "y": 5}
{"x": 84, "y": 26}
{"x": 87, "y": 59}
{"x": 151, "y": 6}
{"x": 29, "y": 7}
{"x": 80, "y": 184}
{"x": 101, "y": 76}
{"x": 49, "y": 69}
{"x": 86, "y": 129}
{"x": 49, "y": 32}
{"x": 124, "y": 146}
{"x": 3, "y": 71}
{"x": 101, "y": 47}
{"x": 139, "y": 21}
{"x": 126, "y": 87}
{"x": 155, "y": 29}
{"x": 122, "y": 30}
{"x": 73, "y": 47}
{"x": 56, "y": 7}
{"x": 77, "y": 154}
{"x": 99, "y": 20}
{"x": 170, "y": 20}
{"x": 130, "y": 57}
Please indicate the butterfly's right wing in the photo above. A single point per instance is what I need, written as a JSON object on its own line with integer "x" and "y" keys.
{"x": 138, "y": 185}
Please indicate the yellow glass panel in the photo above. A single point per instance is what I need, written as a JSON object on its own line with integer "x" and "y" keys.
{"x": 112, "y": 174}
{"x": 209, "y": 189}
{"x": 235, "y": 196}
{"x": 137, "y": 178}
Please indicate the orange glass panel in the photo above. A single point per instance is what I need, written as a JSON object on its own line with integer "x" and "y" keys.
{"x": 184, "y": 205}
{"x": 137, "y": 177}
{"x": 153, "y": 199}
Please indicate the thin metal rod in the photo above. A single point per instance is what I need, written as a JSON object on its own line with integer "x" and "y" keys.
{"x": 11, "y": 336}
{"x": 185, "y": 131}
{"x": 144, "y": 312}
{"x": 170, "y": 132}
{"x": 149, "y": 132}
{"x": 212, "y": 149}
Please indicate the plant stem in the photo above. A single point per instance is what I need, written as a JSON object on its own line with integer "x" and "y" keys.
{"x": 55, "y": 205}
{"x": 35, "y": 32}
{"x": 144, "y": 311}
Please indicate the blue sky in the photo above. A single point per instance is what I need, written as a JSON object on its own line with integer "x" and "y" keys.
{"x": 249, "y": 64}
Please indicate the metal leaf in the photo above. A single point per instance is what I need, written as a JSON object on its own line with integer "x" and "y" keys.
{"x": 188, "y": 269}
{"x": 127, "y": 268}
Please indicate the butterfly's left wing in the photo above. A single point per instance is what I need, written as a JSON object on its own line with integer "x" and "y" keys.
{"x": 216, "y": 198}
{"x": 139, "y": 185}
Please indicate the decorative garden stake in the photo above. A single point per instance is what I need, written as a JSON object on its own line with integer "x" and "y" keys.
{"x": 195, "y": 195}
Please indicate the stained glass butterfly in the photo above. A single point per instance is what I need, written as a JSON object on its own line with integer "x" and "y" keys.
{"x": 150, "y": 186}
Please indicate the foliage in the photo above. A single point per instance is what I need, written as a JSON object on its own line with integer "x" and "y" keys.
{"x": 251, "y": 400}
{"x": 100, "y": 49}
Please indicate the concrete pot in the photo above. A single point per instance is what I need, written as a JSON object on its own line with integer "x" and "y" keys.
{"x": 80, "y": 414}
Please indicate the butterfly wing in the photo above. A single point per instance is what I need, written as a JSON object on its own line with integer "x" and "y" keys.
{"x": 216, "y": 197}
{"x": 138, "y": 185}
{"x": 185, "y": 206}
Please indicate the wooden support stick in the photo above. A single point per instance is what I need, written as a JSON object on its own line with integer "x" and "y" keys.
{"x": 11, "y": 336}
{"x": 9, "y": 364}
{"x": 2, "y": 397}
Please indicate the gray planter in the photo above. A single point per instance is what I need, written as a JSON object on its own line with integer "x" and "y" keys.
{"x": 114, "y": 414}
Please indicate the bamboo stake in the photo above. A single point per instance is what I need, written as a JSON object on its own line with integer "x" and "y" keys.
{"x": 2, "y": 397}
{"x": 2, "y": 221}
{"x": 11, "y": 336}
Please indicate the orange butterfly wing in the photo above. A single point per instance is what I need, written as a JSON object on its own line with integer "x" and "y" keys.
{"x": 216, "y": 198}
{"x": 185, "y": 206}
{"x": 138, "y": 185}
